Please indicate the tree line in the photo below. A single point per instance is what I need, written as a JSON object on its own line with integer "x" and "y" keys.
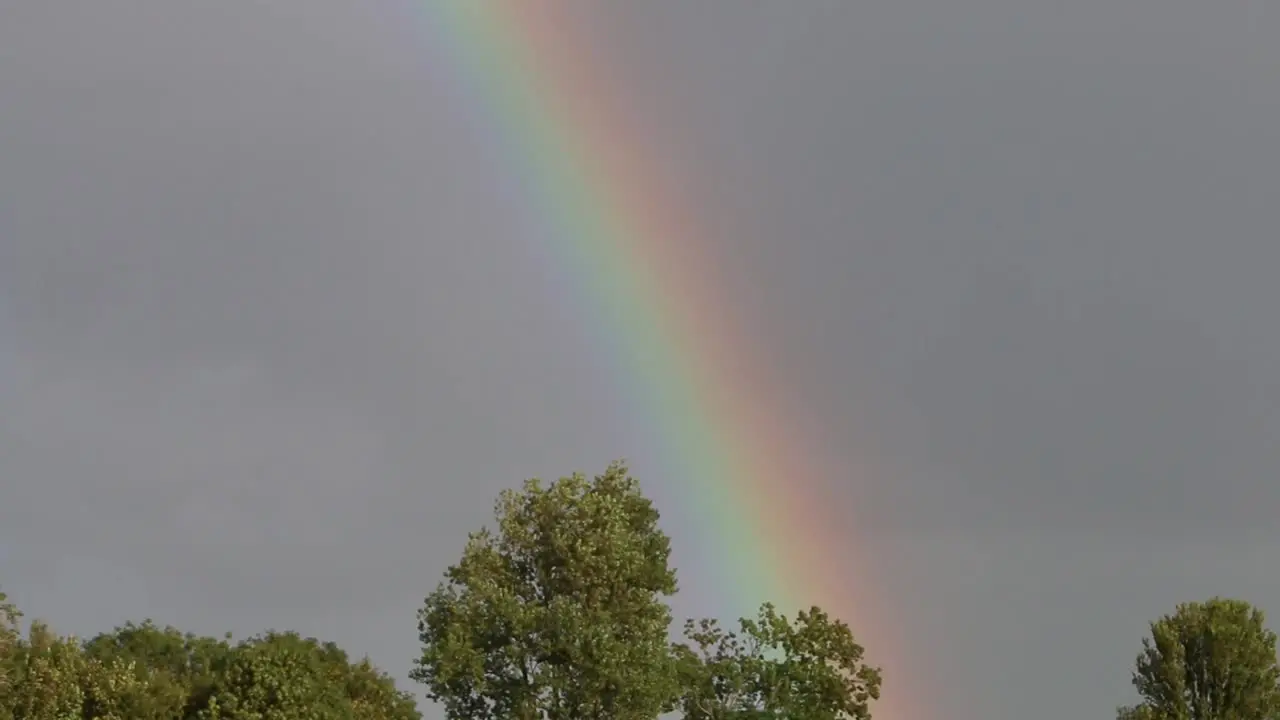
{"x": 560, "y": 612}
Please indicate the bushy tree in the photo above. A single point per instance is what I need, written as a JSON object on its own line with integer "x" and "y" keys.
{"x": 560, "y": 613}
{"x": 810, "y": 669}
{"x": 170, "y": 661}
{"x": 45, "y": 680}
{"x": 145, "y": 672}
{"x": 182, "y": 655}
{"x": 1214, "y": 660}
{"x": 283, "y": 676}
{"x": 124, "y": 690}
{"x": 279, "y": 676}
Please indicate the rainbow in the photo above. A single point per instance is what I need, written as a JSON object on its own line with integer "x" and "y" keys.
{"x": 639, "y": 265}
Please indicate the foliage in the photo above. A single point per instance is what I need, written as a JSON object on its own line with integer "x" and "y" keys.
{"x": 1214, "y": 660}
{"x": 283, "y": 676}
{"x": 184, "y": 656}
{"x": 144, "y": 672}
{"x": 170, "y": 661}
{"x": 124, "y": 690}
{"x": 279, "y": 676}
{"x": 560, "y": 613}
{"x": 774, "y": 668}
{"x": 45, "y": 680}
{"x": 9, "y": 639}
{"x": 374, "y": 696}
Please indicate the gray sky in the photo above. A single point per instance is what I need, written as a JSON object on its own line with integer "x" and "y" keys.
{"x": 269, "y": 343}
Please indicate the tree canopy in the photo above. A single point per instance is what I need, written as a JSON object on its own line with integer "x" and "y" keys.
{"x": 775, "y": 668}
{"x": 146, "y": 672}
{"x": 560, "y": 612}
{"x": 1212, "y": 660}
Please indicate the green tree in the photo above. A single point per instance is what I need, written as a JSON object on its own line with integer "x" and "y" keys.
{"x": 279, "y": 676}
{"x": 560, "y": 613}
{"x": 168, "y": 661}
{"x": 809, "y": 669}
{"x": 283, "y": 676}
{"x": 371, "y": 693}
{"x": 1214, "y": 660}
{"x": 182, "y": 655}
{"x": 45, "y": 680}
{"x": 145, "y": 672}
{"x": 374, "y": 696}
{"x": 123, "y": 690}
{"x": 9, "y": 639}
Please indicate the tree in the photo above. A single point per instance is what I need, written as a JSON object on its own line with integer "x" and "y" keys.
{"x": 52, "y": 678}
{"x": 1207, "y": 661}
{"x": 124, "y": 690}
{"x": 145, "y": 672}
{"x": 182, "y": 655}
{"x": 374, "y": 696}
{"x": 560, "y": 613}
{"x": 811, "y": 669}
{"x": 45, "y": 680}
{"x": 166, "y": 660}
{"x": 279, "y": 676}
{"x": 9, "y": 639}
{"x": 284, "y": 676}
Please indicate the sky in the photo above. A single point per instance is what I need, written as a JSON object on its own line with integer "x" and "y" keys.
{"x": 270, "y": 342}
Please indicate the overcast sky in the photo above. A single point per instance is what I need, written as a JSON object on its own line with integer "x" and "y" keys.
{"x": 270, "y": 343}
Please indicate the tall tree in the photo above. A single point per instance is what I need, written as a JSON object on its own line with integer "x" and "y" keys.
{"x": 810, "y": 669}
{"x": 1214, "y": 660}
{"x": 560, "y": 613}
